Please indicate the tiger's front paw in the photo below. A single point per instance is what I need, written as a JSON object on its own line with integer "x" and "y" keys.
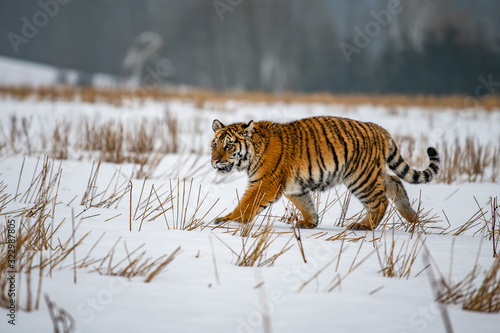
{"x": 220, "y": 220}
{"x": 305, "y": 225}
{"x": 359, "y": 226}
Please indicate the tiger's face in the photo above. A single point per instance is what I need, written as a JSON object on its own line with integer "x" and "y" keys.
{"x": 232, "y": 146}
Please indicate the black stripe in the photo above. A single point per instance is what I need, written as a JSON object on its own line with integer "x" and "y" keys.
{"x": 434, "y": 168}
{"x": 377, "y": 205}
{"x": 319, "y": 158}
{"x": 309, "y": 164}
{"x": 258, "y": 163}
{"x": 316, "y": 137}
{"x": 404, "y": 172}
{"x": 415, "y": 177}
{"x": 342, "y": 141}
{"x": 330, "y": 145}
{"x": 365, "y": 177}
{"x": 427, "y": 176}
{"x": 393, "y": 154}
{"x": 371, "y": 198}
{"x": 397, "y": 163}
{"x": 361, "y": 151}
{"x": 350, "y": 163}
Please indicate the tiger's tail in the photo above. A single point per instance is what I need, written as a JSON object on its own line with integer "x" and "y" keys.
{"x": 404, "y": 171}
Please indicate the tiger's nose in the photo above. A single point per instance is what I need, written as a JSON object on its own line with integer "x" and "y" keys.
{"x": 215, "y": 160}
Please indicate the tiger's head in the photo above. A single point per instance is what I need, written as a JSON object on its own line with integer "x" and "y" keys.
{"x": 232, "y": 146}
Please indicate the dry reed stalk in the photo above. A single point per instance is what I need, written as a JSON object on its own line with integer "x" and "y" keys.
{"x": 486, "y": 298}
{"x": 170, "y": 140}
{"x": 472, "y": 222}
{"x": 31, "y": 242}
{"x": 92, "y": 198}
{"x": 91, "y": 185}
{"x": 298, "y": 238}
{"x": 255, "y": 247}
{"x": 483, "y": 298}
{"x": 183, "y": 201}
{"x": 60, "y": 143}
{"x": 398, "y": 264}
{"x": 341, "y": 222}
{"x": 321, "y": 270}
{"x": 337, "y": 280}
{"x": 427, "y": 222}
{"x": 158, "y": 209}
{"x": 495, "y": 212}
{"x": 162, "y": 265}
{"x": 136, "y": 265}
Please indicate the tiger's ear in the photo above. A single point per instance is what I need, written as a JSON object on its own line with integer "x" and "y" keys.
{"x": 248, "y": 129}
{"x": 217, "y": 125}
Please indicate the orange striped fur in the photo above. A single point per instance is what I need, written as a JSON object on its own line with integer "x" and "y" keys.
{"x": 314, "y": 154}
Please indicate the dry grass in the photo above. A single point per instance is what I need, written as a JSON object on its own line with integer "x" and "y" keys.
{"x": 39, "y": 249}
{"x": 144, "y": 143}
{"x": 337, "y": 280}
{"x": 181, "y": 218}
{"x": 477, "y": 220}
{"x": 180, "y": 206}
{"x": 398, "y": 262}
{"x": 256, "y": 241}
{"x": 133, "y": 264}
{"x": 206, "y": 98}
{"x": 482, "y": 297}
{"x": 461, "y": 161}
{"x": 486, "y": 298}
{"x": 471, "y": 161}
{"x": 254, "y": 250}
{"x": 34, "y": 252}
{"x": 427, "y": 221}
{"x": 111, "y": 196}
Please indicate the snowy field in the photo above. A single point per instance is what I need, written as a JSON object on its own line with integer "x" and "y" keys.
{"x": 328, "y": 280}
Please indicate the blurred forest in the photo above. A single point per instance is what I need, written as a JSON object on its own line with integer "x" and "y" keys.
{"x": 339, "y": 46}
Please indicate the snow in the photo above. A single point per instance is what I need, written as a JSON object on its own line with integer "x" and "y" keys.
{"x": 187, "y": 296}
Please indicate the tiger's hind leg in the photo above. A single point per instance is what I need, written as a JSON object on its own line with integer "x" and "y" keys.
{"x": 374, "y": 201}
{"x": 305, "y": 204}
{"x": 395, "y": 191}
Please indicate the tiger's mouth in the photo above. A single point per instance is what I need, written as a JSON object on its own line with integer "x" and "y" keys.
{"x": 224, "y": 168}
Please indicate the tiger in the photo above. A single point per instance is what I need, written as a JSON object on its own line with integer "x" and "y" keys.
{"x": 313, "y": 154}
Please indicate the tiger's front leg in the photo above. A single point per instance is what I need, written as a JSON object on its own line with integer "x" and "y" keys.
{"x": 305, "y": 204}
{"x": 253, "y": 201}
